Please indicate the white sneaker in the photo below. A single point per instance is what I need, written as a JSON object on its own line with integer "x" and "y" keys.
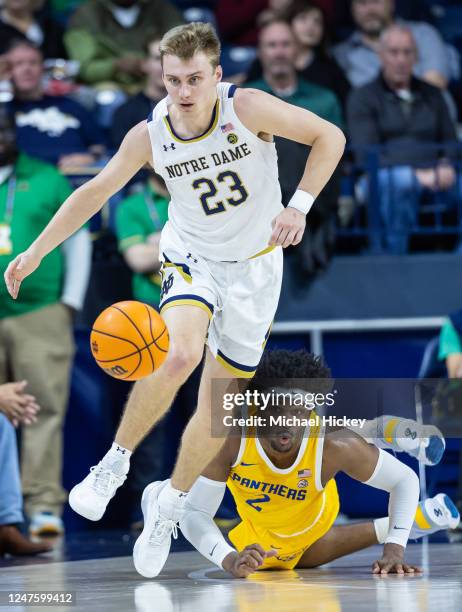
{"x": 90, "y": 497}
{"x": 424, "y": 442}
{"x": 46, "y": 524}
{"x": 434, "y": 514}
{"x": 432, "y": 445}
{"x": 153, "y": 545}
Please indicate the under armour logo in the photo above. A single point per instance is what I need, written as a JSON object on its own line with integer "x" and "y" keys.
{"x": 121, "y": 450}
{"x": 182, "y": 495}
{"x": 438, "y": 512}
{"x": 170, "y": 146}
{"x": 189, "y": 256}
{"x": 410, "y": 434}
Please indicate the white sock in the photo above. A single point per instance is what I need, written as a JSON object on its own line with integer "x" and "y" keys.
{"x": 117, "y": 459}
{"x": 171, "y": 502}
{"x": 381, "y": 526}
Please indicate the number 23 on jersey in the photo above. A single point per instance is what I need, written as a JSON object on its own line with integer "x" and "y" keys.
{"x": 237, "y": 191}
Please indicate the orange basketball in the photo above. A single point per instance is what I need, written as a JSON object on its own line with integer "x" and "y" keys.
{"x": 129, "y": 340}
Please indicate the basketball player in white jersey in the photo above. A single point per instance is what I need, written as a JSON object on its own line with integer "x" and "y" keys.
{"x": 221, "y": 251}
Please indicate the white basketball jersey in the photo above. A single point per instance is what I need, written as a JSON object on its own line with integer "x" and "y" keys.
{"x": 223, "y": 184}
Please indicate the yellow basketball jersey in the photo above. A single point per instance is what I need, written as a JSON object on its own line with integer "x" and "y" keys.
{"x": 286, "y": 509}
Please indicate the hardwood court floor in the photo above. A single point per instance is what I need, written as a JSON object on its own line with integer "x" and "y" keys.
{"x": 190, "y": 584}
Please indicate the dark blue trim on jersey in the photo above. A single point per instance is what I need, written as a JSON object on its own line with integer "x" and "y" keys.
{"x": 149, "y": 117}
{"x": 235, "y": 364}
{"x": 232, "y": 91}
{"x": 187, "y": 296}
{"x": 212, "y": 121}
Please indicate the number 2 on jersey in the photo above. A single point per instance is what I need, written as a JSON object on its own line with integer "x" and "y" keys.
{"x": 258, "y": 500}
{"x": 234, "y": 183}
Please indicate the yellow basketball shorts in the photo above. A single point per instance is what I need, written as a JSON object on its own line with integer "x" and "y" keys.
{"x": 239, "y": 297}
{"x": 289, "y": 550}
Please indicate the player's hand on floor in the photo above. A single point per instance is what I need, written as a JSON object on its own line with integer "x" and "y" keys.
{"x": 18, "y": 269}
{"x": 240, "y": 565}
{"x": 288, "y": 228}
{"x": 390, "y": 564}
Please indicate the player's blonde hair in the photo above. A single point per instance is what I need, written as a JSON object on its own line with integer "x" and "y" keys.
{"x": 185, "y": 41}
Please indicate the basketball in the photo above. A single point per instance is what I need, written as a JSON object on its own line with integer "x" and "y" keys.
{"x": 129, "y": 340}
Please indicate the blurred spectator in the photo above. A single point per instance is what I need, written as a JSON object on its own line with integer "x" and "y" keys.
{"x": 108, "y": 38}
{"x": 358, "y": 55}
{"x": 19, "y": 408}
{"x": 450, "y": 347}
{"x": 139, "y": 221}
{"x": 138, "y": 107}
{"x": 53, "y": 128}
{"x": 36, "y": 330}
{"x": 277, "y": 53}
{"x": 18, "y": 21}
{"x": 312, "y": 61}
{"x": 404, "y": 112}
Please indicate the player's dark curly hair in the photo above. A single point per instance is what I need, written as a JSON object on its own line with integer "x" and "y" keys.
{"x": 280, "y": 367}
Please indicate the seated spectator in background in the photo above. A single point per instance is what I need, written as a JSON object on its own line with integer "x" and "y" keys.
{"x": 17, "y": 407}
{"x": 108, "y": 38}
{"x": 139, "y": 221}
{"x": 312, "y": 59}
{"x": 39, "y": 323}
{"x": 402, "y": 111}
{"x": 53, "y": 128}
{"x": 18, "y": 21}
{"x": 277, "y": 53}
{"x": 359, "y": 54}
{"x": 138, "y": 107}
{"x": 450, "y": 349}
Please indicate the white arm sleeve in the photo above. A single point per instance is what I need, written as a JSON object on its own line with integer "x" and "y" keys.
{"x": 77, "y": 260}
{"x": 197, "y": 523}
{"x": 403, "y": 485}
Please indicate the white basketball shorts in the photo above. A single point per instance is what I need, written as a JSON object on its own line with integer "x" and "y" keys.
{"x": 240, "y": 298}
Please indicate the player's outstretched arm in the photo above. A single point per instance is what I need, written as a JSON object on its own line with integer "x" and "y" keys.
{"x": 351, "y": 454}
{"x": 82, "y": 204}
{"x": 197, "y": 523}
{"x": 265, "y": 114}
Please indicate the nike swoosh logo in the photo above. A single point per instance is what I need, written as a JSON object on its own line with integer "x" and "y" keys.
{"x": 395, "y": 527}
{"x": 211, "y": 552}
{"x": 247, "y": 464}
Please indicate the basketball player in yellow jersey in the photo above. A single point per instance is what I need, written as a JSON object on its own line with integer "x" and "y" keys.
{"x": 221, "y": 251}
{"x": 282, "y": 480}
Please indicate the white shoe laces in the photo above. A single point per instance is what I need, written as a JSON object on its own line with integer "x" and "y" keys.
{"x": 162, "y": 529}
{"x": 105, "y": 480}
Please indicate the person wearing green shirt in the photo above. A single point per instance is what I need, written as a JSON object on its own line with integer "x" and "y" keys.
{"x": 36, "y": 339}
{"x": 139, "y": 221}
{"x": 107, "y": 38}
{"x": 450, "y": 345}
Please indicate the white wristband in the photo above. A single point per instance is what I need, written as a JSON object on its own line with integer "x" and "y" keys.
{"x": 302, "y": 201}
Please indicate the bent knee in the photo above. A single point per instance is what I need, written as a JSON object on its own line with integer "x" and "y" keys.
{"x": 182, "y": 361}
